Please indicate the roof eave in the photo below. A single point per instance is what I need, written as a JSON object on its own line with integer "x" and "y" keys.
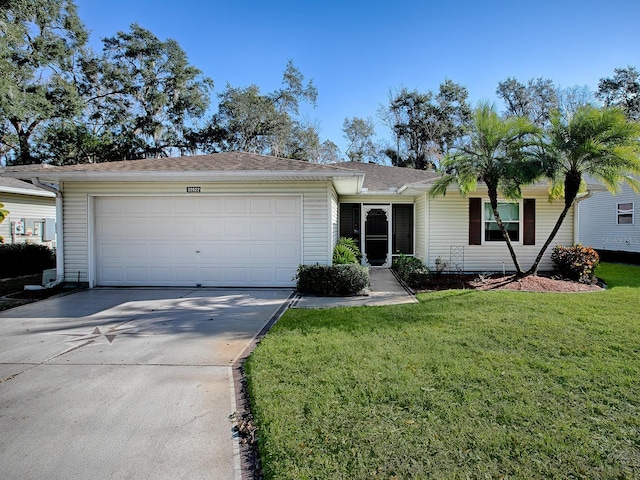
{"x": 345, "y": 182}
{"x": 27, "y": 191}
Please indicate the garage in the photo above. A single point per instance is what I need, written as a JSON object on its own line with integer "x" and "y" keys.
{"x": 244, "y": 240}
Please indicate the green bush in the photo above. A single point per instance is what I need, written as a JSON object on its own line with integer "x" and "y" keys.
{"x": 576, "y": 263}
{"x": 346, "y": 251}
{"x": 411, "y": 271}
{"x": 24, "y": 259}
{"x": 332, "y": 280}
{"x": 343, "y": 255}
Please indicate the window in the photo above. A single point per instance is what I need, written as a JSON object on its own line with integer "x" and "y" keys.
{"x": 402, "y": 229}
{"x": 350, "y": 221}
{"x": 510, "y": 216}
{"x": 625, "y": 213}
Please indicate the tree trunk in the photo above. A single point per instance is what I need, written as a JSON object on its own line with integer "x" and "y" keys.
{"x": 24, "y": 149}
{"x": 493, "y": 199}
{"x": 572, "y": 183}
{"x": 534, "y": 268}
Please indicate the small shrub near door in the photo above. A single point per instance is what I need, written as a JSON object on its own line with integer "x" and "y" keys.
{"x": 411, "y": 271}
{"x": 332, "y": 280}
{"x": 346, "y": 251}
{"x": 576, "y": 263}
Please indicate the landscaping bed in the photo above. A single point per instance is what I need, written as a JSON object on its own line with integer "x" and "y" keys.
{"x": 531, "y": 283}
{"x": 13, "y": 294}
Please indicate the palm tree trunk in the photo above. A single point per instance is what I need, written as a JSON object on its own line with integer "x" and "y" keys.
{"x": 493, "y": 199}
{"x": 534, "y": 268}
{"x": 572, "y": 181}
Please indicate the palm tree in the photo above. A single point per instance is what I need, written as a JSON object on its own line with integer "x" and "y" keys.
{"x": 3, "y": 213}
{"x": 498, "y": 152}
{"x": 599, "y": 143}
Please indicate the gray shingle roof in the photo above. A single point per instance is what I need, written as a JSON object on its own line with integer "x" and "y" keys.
{"x": 382, "y": 178}
{"x": 377, "y": 178}
{"x": 222, "y": 162}
{"x": 13, "y": 185}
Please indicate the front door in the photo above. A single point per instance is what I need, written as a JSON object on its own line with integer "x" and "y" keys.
{"x": 376, "y": 235}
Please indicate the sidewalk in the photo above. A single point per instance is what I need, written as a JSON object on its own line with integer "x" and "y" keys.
{"x": 385, "y": 290}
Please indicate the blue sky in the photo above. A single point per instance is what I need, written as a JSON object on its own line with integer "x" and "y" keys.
{"x": 357, "y": 51}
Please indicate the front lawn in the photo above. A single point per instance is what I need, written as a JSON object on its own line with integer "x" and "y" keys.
{"x": 465, "y": 384}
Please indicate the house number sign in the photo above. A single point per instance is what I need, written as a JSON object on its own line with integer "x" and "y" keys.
{"x": 193, "y": 189}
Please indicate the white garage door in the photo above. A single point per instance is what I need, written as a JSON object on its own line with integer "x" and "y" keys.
{"x": 189, "y": 241}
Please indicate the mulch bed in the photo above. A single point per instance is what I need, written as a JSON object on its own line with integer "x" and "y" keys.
{"x": 532, "y": 283}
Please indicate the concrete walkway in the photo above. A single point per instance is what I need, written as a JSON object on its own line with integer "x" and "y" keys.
{"x": 385, "y": 290}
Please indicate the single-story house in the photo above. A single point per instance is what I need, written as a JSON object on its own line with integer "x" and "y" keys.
{"x": 234, "y": 219}
{"x": 32, "y": 213}
{"x": 608, "y": 223}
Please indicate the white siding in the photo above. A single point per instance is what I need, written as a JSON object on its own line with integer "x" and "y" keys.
{"x": 598, "y": 222}
{"x": 420, "y": 239}
{"x": 335, "y": 229}
{"x": 315, "y": 211}
{"x": 29, "y": 207}
{"x": 448, "y": 226}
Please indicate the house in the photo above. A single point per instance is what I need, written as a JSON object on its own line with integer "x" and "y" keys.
{"x": 32, "y": 213}
{"x": 608, "y": 223}
{"x": 234, "y": 219}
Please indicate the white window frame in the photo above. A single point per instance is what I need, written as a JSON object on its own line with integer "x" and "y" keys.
{"x": 620, "y": 211}
{"x": 520, "y": 203}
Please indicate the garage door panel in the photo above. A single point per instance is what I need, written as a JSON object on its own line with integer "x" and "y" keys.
{"x": 261, "y": 251}
{"x": 287, "y": 253}
{"x": 262, "y": 228}
{"x": 212, "y": 228}
{"x": 138, "y": 205}
{"x": 287, "y": 205}
{"x": 261, "y": 205}
{"x": 261, "y": 276}
{"x": 186, "y": 241}
{"x": 237, "y": 275}
{"x": 235, "y": 206}
{"x": 287, "y": 228}
{"x": 237, "y": 251}
{"x": 161, "y": 275}
{"x": 112, "y": 275}
{"x": 211, "y": 205}
{"x": 110, "y": 251}
{"x": 237, "y": 229}
{"x": 284, "y": 275}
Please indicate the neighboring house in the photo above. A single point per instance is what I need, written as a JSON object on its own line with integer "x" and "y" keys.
{"x": 234, "y": 219}
{"x": 609, "y": 223}
{"x": 32, "y": 213}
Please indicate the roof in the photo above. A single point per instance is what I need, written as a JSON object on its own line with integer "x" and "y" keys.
{"x": 383, "y": 178}
{"x": 237, "y": 166}
{"x": 218, "y": 162}
{"x": 13, "y": 185}
{"x": 219, "y": 167}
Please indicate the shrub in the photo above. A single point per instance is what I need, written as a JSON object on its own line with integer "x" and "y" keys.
{"x": 411, "y": 271}
{"x": 343, "y": 255}
{"x": 24, "y": 259}
{"x": 332, "y": 280}
{"x": 346, "y": 251}
{"x": 576, "y": 263}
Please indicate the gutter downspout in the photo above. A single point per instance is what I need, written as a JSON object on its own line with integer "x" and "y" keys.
{"x": 59, "y": 235}
{"x": 576, "y": 217}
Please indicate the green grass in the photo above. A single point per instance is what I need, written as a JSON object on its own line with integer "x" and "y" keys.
{"x": 464, "y": 384}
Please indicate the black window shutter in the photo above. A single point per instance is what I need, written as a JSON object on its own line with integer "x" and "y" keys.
{"x": 475, "y": 221}
{"x": 529, "y": 221}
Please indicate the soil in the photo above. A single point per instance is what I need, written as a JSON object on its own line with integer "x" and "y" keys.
{"x": 532, "y": 283}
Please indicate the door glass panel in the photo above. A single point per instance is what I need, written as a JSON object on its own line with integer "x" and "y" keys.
{"x": 377, "y": 237}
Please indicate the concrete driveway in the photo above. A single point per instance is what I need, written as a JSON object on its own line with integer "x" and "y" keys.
{"x": 125, "y": 383}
